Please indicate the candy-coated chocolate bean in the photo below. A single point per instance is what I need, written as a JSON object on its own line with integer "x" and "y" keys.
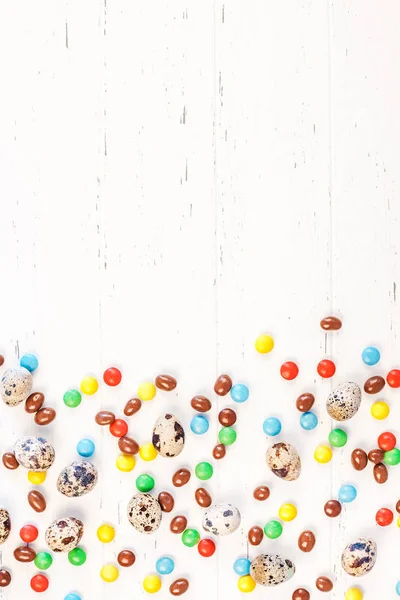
{"x": 128, "y": 445}
{"x": 289, "y": 370}
{"x": 374, "y": 385}
{"x": 324, "y": 584}
{"x": 199, "y": 424}
{"x": 332, "y": 508}
{"x": 306, "y": 541}
{"x": 223, "y": 385}
{"x": 112, "y": 376}
{"x": 347, "y": 493}
{"x": 165, "y": 565}
{"x": 179, "y": 587}
{"x": 331, "y": 323}
{"x": 126, "y": 558}
{"x": 132, "y": 406}
{"x": 85, "y": 448}
{"x": 104, "y": 417}
{"x": 387, "y": 441}
{"x": 145, "y": 483}
{"x": 166, "y": 501}
{"x": 72, "y": 398}
{"x": 227, "y": 417}
{"x": 359, "y": 459}
{"x": 89, "y": 385}
{"x": 5, "y": 578}
{"x": 301, "y": 594}
{"x": 308, "y": 420}
{"x": 376, "y": 456}
{"x": 398, "y": 506}
{"x": 326, "y": 368}
{"x": 181, "y": 477}
{"x": 305, "y": 402}
{"x": 392, "y": 457}
{"x": 105, "y": 533}
{"x": 190, "y": 537}
{"x": 261, "y": 493}
{"x": 43, "y": 561}
{"x": 393, "y": 378}
{"x": 29, "y": 361}
{"x": 45, "y": 415}
{"x": 264, "y": 344}
{"x": 240, "y": 393}
{"x": 119, "y": 428}
{"x": 380, "y": 473}
{"x": 24, "y": 554}
{"x": 200, "y": 403}
{"x": 37, "y": 501}
{"x": 384, "y": 517}
{"x": 255, "y": 535}
{"x": 203, "y": 498}
{"x": 28, "y": 533}
{"x": 338, "y": 438}
{"x": 39, "y": 583}
{"x": 371, "y": 356}
{"x": 178, "y": 524}
{"x": 272, "y": 426}
{"x": 109, "y": 573}
{"x": 166, "y": 382}
{"x": 206, "y": 547}
{"x": 9, "y": 461}
{"x": 227, "y": 436}
{"x": 219, "y": 451}
{"x": 34, "y": 402}
{"x": 204, "y": 471}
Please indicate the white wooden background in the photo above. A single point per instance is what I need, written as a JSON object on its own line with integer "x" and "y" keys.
{"x": 176, "y": 178}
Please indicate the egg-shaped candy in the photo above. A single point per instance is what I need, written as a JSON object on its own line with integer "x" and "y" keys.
{"x": 168, "y": 436}
{"x": 5, "y": 525}
{"x": 34, "y": 453}
{"x": 343, "y": 403}
{"x": 284, "y": 461}
{"x": 15, "y": 386}
{"x": 359, "y": 557}
{"x": 64, "y": 534}
{"x": 221, "y": 519}
{"x": 77, "y": 479}
{"x": 144, "y": 513}
{"x": 271, "y": 569}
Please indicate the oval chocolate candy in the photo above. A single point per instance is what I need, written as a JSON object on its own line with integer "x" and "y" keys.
{"x": 45, "y": 416}
{"x": 5, "y": 578}
{"x": 126, "y": 558}
{"x": 306, "y": 541}
{"x": 132, "y": 406}
{"x": 223, "y": 385}
{"x": 219, "y": 451}
{"x": 374, "y": 385}
{"x": 380, "y": 473}
{"x": 324, "y": 584}
{"x": 178, "y": 524}
{"x": 332, "y": 508}
{"x": 359, "y": 459}
{"x": 376, "y": 456}
{"x": 227, "y": 417}
{"x": 179, "y": 587}
{"x": 166, "y": 501}
{"x": 305, "y": 402}
{"x": 261, "y": 493}
{"x": 200, "y": 403}
{"x": 331, "y": 323}
{"x": 9, "y": 461}
{"x": 301, "y": 594}
{"x": 166, "y": 382}
{"x": 37, "y": 501}
{"x": 128, "y": 445}
{"x": 104, "y": 417}
{"x": 34, "y": 402}
{"x": 255, "y": 535}
{"x": 181, "y": 477}
{"x": 203, "y": 498}
{"x": 398, "y": 506}
{"x": 24, "y": 554}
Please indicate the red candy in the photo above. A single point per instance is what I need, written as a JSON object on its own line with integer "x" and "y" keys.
{"x": 326, "y": 368}
{"x": 112, "y": 376}
{"x": 393, "y": 378}
{"x": 28, "y": 533}
{"x": 387, "y": 441}
{"x": 289, "y": 370}
{"x": 206, "y": 547}
{"x": 119, "y": 428}
{"x": 384, "y": 517}
{"x": 39, "y": 583}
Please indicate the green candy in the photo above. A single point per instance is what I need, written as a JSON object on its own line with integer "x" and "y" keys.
{"x": 190, "y": 537}
{"x": 227, "y": 436}
{"x": 72, "y": 398}
{"x": 337, "y": 438}
{"x": 43, "y": 560}
{"x": 392, "y": 457}
{"x": 145, "y": 483}
{"x": 77, "y": 557}
{"x": 273, "y": 529}
{"x": 204, "y": 471}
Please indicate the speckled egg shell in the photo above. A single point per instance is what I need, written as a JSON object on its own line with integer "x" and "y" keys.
{"x": 168, "y": 436}
{"x": 77, "y": 479}
{"x": 284, "y": 461}
{"x": 221, "y": 519}
{"x": 5, "y": 525}
{"x": 344, "y": 401}
{"x": 359, "y": 557}
{"x": 15, "y": 386}
{"x": 144, "y": 513}
{"x": 34, "y": 453}
{"x": 271, "y": 569}
{"x": 64, "y": 535}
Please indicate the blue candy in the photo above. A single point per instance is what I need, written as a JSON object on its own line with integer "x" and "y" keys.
{"x": 272, "y": 426}
{"x": 199, "y": 424}
{"x": 165, "y": 565}
{"x": 371, "y": 356}
{"x": 85, "y": 448}
{"x": 72, "y": 597}
{"x": 240, "y": 392}
{"x": 241, "y": 566}
{"x": 347, "y": 493}
{"x": 29, "y": 361}
{"x": 398, "y": 588}
{"x": 308, "y": 421}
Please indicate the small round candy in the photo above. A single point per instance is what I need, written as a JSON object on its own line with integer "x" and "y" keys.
{"x": 28, "y": 533}
{"x": 43, "y": 560}
{"x": 393, "y": 378}
{"x": 206, "y": 547}
{"x": 29, "y": 361}
{"x": 380, "y": 410}
{"x": 126, "y": 558}
{"x": 398, "y": 588}
{"x": 289, "y": 370}
{"x": 239, "y": 393}
{"x": 392, "y": 457}
{"x": 326, "y": 368}
{"x": 246, "y": 584}
{"x": 354, "y": 593}
{"x": 199, "y": 424}
{"x": 85, "y": 448}
{"x": 287, "y": 512}
{"x": 371, "y": 356}
{"x": 272, "y": 426}
{"x": 347, "y": 493}
{"x": 146, "y": 391}
{"x": 125, "y": 462}
{"x": 323, "y": 454}
{"x": 387, "y": 441}
{"x": 109, "y": 573}
{"x": 72, "y": 398}
{"x": 145, "y": 483}
{"x": 273, "y": 529}
{"x": 384, "y": 517}
{"x": 89, "y": 385}
{"x": 204, "y": 471}
{"x": 36, "y": 477}
{"x": 151, "y": 584}
{"x": 165, "y": 565}
{"x": 147, "y": 452}
{"x": 112, "y": 376}
{"x": 39, "y": 583}
{"x": 119, "y": 428}
{"x": 241, "y": 566}
{"x": 308, "y": 420}
{"x": 190, "y": 537}
{"x": 72, "y": 597}
{"x": 264, "y": 344}
{"x": 337, "y": 438}
{"x": 227, "y": 436}
{"x": 106, "y": 533}
{"x": 77, "y": 557}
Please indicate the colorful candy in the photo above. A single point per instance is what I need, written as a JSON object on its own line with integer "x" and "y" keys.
{"x": 371, "y": 356}
{"x": 308, "y": 421}
{"x": 204, "y": 471}
{"x": 43, "y": 561}
{"x": 145, "y": 483}
{"x": 85, "y": 448}
{"x": 72, "y": 398}
{"x": 112, "y": 376}
{"x": 199, "y": 424}
{"x": 289, "y": 370}
{"x": 36, "y": 477}
{"x": 384, "y": 517}
{"x": 109, "y": 573}
{"x": 125, "y": 462}
{"x": 264, "y": 344}
{"x": 393, "y": 378}
{"x": 39, "y": 583}
{"x": 337, "y": 438}
{"x": 392, "y": 457}
{"x": 28, "y": 533}
{"x": 387, "y": 441}
{"x": 147, "y": 452}
{"x": 29, "y": 362}
{"x": 323, "y": 454}
{"x": 200, "y": 403}
{"x": 326, "y": 368}
{"x": 227, "y": 417}
{"x": 347, "y": 493}
{"x": 261, "y": 493}
{"x": 206, "y": 547}
{"x": 272, "y": 426}
{"x": 77, "y": 557}
{"x": 146, "y": 391}
{"x": 273, "y": 530}
{"x": 380, "y": 410}
{"x": 89, "y": 385}
{"x": 374, "y": 385}
{"x": 240, "y": 393}
{"x": 246, "y": 584}
{"x": 287, "y": 512}
{"x": 190, "y": 537}
{"x": 359, "y": 459}
{"x": 105, "y": 533}
{"x": 353, "y": 593}
{"x": 227, "y": 436}
{"x": 119, "y": 428}
{"x": 241, "y": 566}
{"x": 165, "y": 565}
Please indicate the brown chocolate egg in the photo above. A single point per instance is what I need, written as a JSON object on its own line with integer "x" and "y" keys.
{"x": 331, "y": 323}
{"x": 219, "y": 451}
{"x": 128, "y": 445}
{"x": 24, "y": 554}
{"x": 166, "y": 501}
{"x": 359, "y": 459}
{"x": 306, "y": 541}
{"x": 255, "y": 535}
{"x": 261, "y": 493}
{"x": 333, "y": 508}
{"x": 324, "y": 584}
{"x": 178, "y": 524}
{"x": 132, "y": 406}
{"x": 398, "y": 506}
{"x": 305, "y": 402}
{"x": 45, "y": 416}
{"x": 9, "y": 461}
{"x": 104, "y": 417}
{"x": 181, "y": 477}
{"x": 380, "y": 473}
{"x": 223, "y": 385}
{"x": 34, "y": 402}
{"x": 376, "y": 456}
{"x": 5, "y": 578}
{"x": 126, "y": 558}
{"x": 301, "y": 594}
{"x": 37, "y": 501}
{"x": 166, "y": 382}
{"x": 227, "y": 417}
{"x": 179, "y": 587}
{"x": 203, "y": 498}
{"x": 200, "y": 403}
{"x": 374, "y": 385}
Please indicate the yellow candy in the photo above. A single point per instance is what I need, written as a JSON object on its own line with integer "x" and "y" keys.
{"x": 323, "y": 454}
{"x": 287, "y": 512}
{"x": 106, "y": 534}
{"x": 264, "y": 344}
{"x": 89, "y": 385}
{"x": 109, "y": 573}
{"x": 398, "y": 522}
{"x": 37, "y": 478}
{"x": 246, "y": 583}
{"x": 380, "y": 410}
{"x": 125, "y": 462}
{"x": 152, "y": 584}
{"x": 353, "y": 594}
{"x": 147, "y": 452}
{"x": 146, "y": 391}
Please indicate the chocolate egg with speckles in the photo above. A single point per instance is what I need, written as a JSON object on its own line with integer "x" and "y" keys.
{"x": 359, "y": 557}
{"x": 15, "y": 386}
{"x": 344, "y": 401}
{"x": 5, "y": 525}
{"x": 168, "y": 436}
{"x": 144, "y": 513}
{"x": 64, "y": 534}
{"x": 34, "y": 453}
{"x": 77, "y": 479}
{"x": 221, "y": 519}
{"x": 284, "y": 461}
{"x": 271, "y": 569}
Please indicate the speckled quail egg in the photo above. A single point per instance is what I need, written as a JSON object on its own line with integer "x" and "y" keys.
{"x": 5, "y": 525}
{"x": 64, "y": 535}
{"x": 168, "y": 436}
{"x": 359, "y": 557}
{"x": 144, "y": 513}
{"x": 77, "y": 479}
{"x": 271, "y": 569}
{"x": 34, "y": 453}
{"x": 284, "y": 461}
{"x": 15, "y": 386}
{"x": 221, "y": 519}
{"x": 344, "y": 401}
